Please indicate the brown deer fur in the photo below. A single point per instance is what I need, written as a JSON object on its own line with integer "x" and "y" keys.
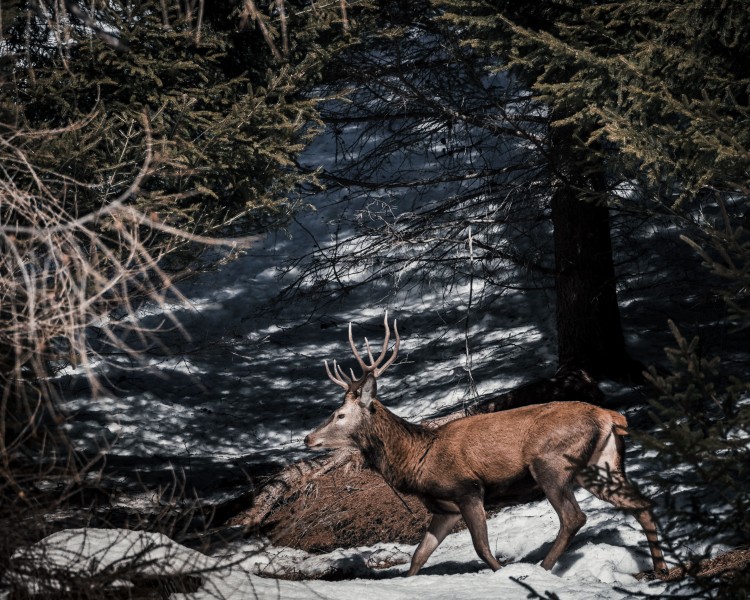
{"x": 496, "y": 459}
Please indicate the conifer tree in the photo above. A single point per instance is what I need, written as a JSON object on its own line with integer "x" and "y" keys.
{"x": 225, "y": 115}
{"x": 588, "y": 320}
{"x": 498, "y": 149}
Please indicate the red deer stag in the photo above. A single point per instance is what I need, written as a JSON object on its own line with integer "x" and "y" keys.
{"x": 500, "y": 459}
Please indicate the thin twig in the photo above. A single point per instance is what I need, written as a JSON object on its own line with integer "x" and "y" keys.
{"x": 251, "y": 11}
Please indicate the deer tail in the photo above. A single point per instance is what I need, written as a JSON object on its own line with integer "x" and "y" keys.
{"x": 619, "y": 423}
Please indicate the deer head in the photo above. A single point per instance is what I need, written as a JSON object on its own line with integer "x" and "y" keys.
{"x": 338, "y": 429}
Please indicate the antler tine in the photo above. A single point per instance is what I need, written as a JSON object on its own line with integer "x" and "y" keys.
{"x": 385, "y": 341}
{"x": 369, "y": 352}
{"x": 340, "y": 371}
{"x": 362, "y": 364}
{"x": 394, "y": 353}
{"x": 375, "y": 364}
{"x": 336, "y": 380}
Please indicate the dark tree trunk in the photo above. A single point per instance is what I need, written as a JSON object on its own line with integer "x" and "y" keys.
{"x": 589, "y": 330}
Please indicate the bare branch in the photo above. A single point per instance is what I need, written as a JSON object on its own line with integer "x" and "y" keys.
{"x": 112, "y": 41}
{"x": 62, "y": 273}
{"x": 344, "y": 17}
{"x": 250, "y": 11}
{"x": 284, "y": 32}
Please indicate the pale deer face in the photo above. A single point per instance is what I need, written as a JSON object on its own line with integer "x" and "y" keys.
{"x": 339, "y": 429}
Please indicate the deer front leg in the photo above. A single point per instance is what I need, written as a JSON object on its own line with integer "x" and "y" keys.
{"x": 440, "y": 526}
{"x": 472, "y": 510}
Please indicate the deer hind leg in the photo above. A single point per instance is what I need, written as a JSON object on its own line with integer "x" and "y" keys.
{"x": 607, "y": 481}
{"x": 440, "y": 526}
{"x": 472, "y": 510}
{"x": 555, "y": 481}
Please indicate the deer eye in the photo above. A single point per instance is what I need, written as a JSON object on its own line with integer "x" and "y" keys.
{"x": 341, "y": 416}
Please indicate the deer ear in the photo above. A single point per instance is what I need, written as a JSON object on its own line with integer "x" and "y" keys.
{"x": 369, "y": 391}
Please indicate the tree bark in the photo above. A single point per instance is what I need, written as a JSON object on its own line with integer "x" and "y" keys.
{"x": 589, "y": 328}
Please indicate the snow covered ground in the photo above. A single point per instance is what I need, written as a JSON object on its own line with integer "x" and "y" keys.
{"x": 598, "y": 565}
{"x": 242, "y": 392}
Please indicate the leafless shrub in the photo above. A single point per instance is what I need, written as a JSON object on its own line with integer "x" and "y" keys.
{"x": 61, "y": 274}
{"x": 72, "y": 282}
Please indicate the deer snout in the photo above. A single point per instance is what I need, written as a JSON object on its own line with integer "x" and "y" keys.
{"x": 311, "y": 442}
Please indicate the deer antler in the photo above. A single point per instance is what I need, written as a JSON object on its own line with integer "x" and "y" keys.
{"x": 340, "y": 378}
{"x": 352, "y": 383}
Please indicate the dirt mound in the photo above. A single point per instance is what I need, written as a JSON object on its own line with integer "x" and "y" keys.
{"x": 345, "y": 510}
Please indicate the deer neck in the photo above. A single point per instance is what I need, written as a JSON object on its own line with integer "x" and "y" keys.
{"x": 395, "y": 447}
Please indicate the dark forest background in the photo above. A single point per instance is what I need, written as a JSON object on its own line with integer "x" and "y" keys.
{"x": 134, "y": 135}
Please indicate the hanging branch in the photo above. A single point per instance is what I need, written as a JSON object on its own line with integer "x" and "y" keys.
{"x": 251, "y": 11}
{"x": 469, "y": 362}
{"x": 344, "y": 17}
{"x": 201, "y": 6}
{"x": 284, "y": 33}
{"x": 112, "y": 41}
